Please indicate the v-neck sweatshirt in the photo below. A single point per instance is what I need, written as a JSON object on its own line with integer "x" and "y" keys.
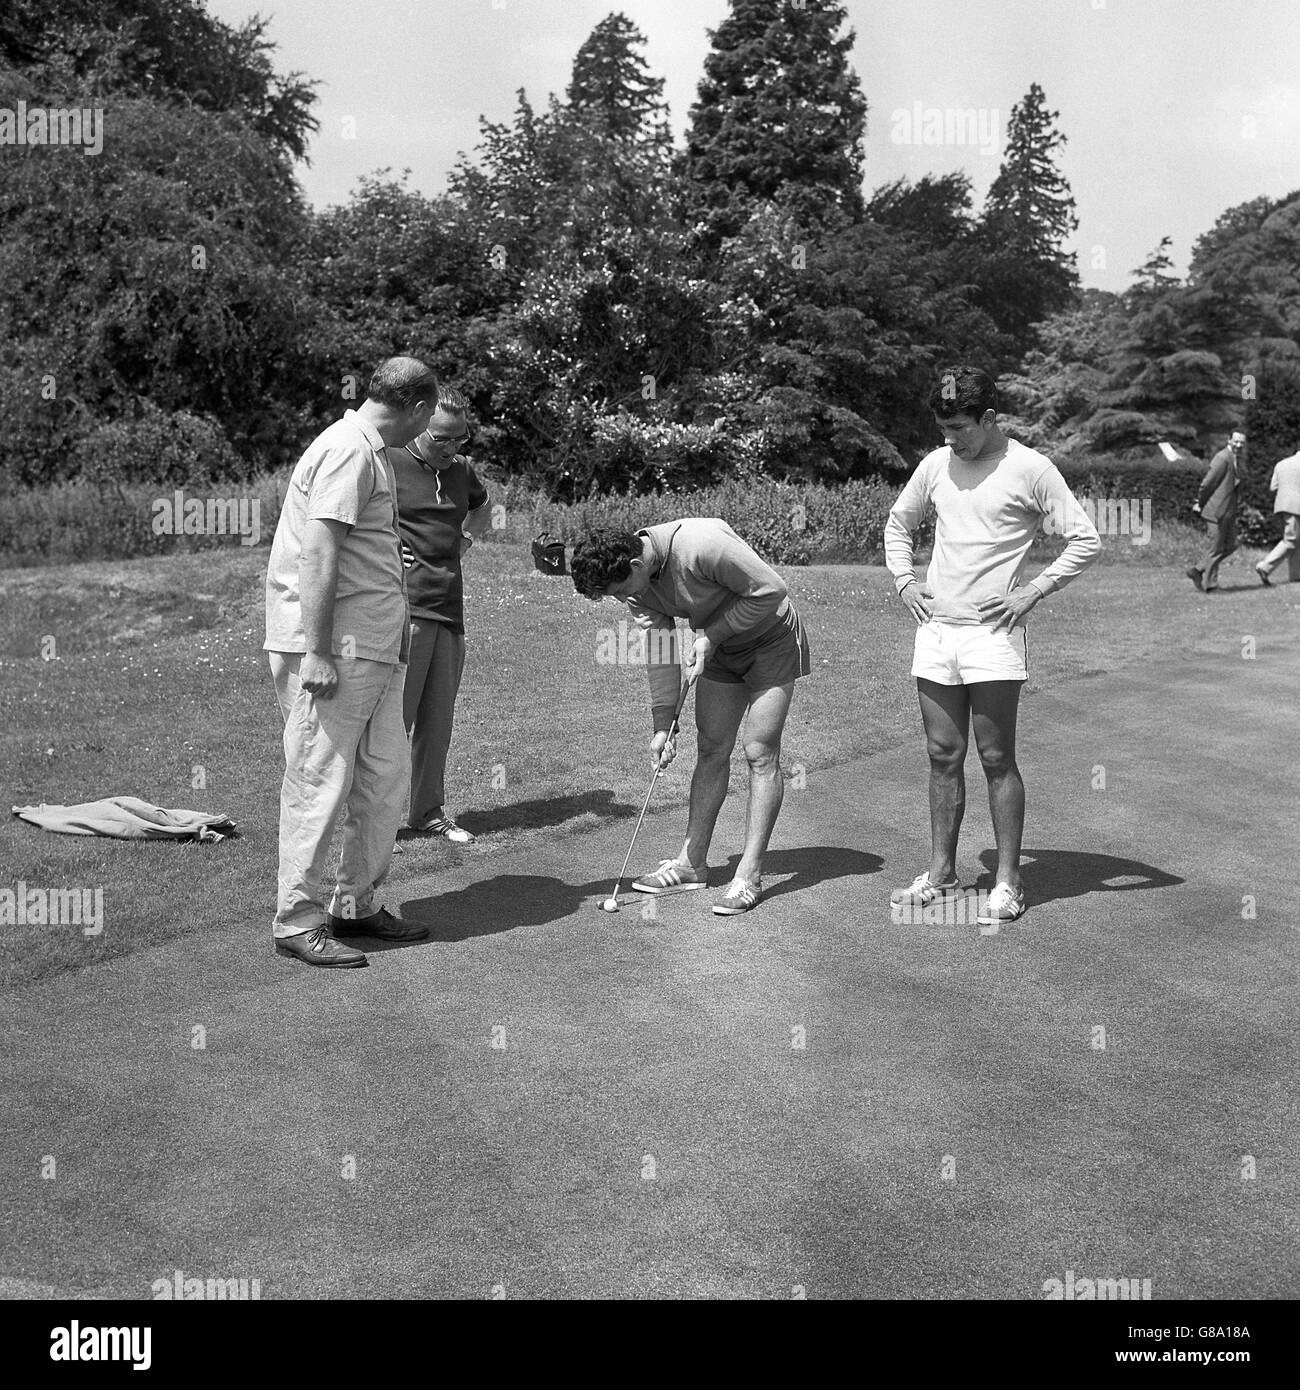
{"x": 987, "y": 515}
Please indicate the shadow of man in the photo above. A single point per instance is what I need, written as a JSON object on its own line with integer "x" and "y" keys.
{"x": 509, "y": 901}
{"x": 536, "y": 814}
{"x": 809, "y": 865}
{"x": 1069, "y": 873}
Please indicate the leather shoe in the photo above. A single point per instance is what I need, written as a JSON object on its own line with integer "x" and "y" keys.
{"x": 318, "y": 947}
{"x": 1195, "y": 576}
{"x": 382, "y": 925}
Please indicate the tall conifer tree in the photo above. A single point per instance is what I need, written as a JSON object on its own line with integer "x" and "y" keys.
{"x": 780, "y": 114}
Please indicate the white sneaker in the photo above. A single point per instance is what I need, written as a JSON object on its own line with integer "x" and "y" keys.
{"x": 1005, "y": 904}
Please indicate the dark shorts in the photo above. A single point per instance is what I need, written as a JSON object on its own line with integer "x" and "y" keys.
{"x": 777, "y": 656}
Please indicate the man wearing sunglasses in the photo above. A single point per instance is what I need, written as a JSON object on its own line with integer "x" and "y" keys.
{"x": 442, "y": 507}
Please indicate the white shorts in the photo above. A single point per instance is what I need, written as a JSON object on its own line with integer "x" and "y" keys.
{"x": 956, "y": 654}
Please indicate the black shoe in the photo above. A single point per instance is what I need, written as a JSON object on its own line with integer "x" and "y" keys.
{"x": 1195, "y": 576}
{"x": 318, "y": 947}
{"x": 382, "y": 925}
{"x": 1263, "y": 576}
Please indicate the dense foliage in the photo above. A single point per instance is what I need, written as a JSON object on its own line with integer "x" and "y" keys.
{"x": 621, "y": 314}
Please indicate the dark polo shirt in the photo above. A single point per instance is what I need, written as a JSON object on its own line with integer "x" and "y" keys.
{"x": 432, "y": 506}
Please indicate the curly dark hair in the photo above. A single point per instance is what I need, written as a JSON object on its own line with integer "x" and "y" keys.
{"x": 963, "y": 391}
{"x": 603, "y": 560}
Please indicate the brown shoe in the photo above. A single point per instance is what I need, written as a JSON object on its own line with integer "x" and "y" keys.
{"x": 318, "y": 947}
{"x": 1195, "y": 576}
{"x": 382, "y": 925}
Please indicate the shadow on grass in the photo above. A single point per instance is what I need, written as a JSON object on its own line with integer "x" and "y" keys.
{"x": 498, "y": 904}
{"x": 531, "y": 815}
{"x": 508, "y": 901}
{"x": 1066, "y": 873}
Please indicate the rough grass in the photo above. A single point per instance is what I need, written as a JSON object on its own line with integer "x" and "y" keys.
{"x": 148, "y": 678}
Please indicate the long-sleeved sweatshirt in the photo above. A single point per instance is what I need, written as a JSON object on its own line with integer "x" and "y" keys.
{"x": 988, "y": 515}
{"x": 702, "y": 571}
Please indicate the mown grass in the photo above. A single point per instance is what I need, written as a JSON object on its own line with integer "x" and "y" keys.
{"x": 156, "y": 671}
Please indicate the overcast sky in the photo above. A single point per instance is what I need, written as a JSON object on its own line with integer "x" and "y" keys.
{"x": 1174, "y": 109}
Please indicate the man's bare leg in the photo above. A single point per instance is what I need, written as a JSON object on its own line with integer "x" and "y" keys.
{"x": 945, "y": 712}
{"x": 719, "y": 708}
{"x": 994, "y": 706}
{"x": 763, "y": 729}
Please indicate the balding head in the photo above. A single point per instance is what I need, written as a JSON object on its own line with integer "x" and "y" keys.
{"x": 401, "y": 399}
{"x": 402, "y": 382}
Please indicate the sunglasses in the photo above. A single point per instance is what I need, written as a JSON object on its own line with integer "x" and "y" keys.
{"x": 450, "y": 438}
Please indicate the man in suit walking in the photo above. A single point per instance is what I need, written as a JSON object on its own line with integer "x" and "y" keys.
{"x": 1286, "y": 483}
{"x": 1217, "y": 505}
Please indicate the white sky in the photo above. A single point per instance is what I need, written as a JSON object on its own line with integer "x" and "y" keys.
{"x": 1174, "y": 109}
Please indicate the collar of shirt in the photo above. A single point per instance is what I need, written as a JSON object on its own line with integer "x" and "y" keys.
{"x": 372, "y": 435}
{"x": 660, "y": 554}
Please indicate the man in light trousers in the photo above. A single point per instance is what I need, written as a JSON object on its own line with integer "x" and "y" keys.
{"x": 336, "y": 634}
{"x": 1285, "y": 482}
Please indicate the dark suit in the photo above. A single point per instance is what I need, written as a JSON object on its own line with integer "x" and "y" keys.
{"x": 1218, "y": 500}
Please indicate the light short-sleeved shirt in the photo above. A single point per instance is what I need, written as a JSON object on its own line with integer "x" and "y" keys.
{"x": 343, "y": 476}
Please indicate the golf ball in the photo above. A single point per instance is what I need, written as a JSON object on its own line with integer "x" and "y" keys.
{"x": 609, "y": 905}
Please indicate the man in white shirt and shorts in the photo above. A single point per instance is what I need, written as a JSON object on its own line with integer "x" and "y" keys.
{"x": 991, "y": 496}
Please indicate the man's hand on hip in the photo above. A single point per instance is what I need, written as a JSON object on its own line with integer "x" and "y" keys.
{"x": 918, "y": 602}
{"x": 1008, "y": 610}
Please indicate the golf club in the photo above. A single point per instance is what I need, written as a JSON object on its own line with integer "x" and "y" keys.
{"x": 611, "y": 903}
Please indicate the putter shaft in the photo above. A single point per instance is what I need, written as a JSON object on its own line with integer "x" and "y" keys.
{"x": 654, "y": 777}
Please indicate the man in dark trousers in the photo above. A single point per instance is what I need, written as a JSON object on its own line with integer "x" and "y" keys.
{"x": 442, "y": 508}
{"x": 1217, "y": 504}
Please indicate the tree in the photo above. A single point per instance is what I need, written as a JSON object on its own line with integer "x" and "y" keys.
{"x": 163, "y": 49}
{"x": 1049, "y": 399}
{"x": 936, "y": 209}
{"x": 597, "y": 291}
{"x": 1028, "y": 214}
{"x": 612, "y": 87}
{"x": 780, "y": 115}
{"x": 154, "y": 279}
{"x": 1243, "y": 293}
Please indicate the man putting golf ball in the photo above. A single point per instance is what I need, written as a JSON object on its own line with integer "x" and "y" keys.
{"x": 748, "y": 650}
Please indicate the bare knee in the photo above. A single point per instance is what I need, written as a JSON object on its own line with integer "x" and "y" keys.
{"x": 997, "y": 759}
{"x": 762, "y": 756}
{"x": 710, "y": 750}
{"x": 946, "y": 756}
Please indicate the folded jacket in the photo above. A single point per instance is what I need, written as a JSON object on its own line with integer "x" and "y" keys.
{"x": 128, "y": 818}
